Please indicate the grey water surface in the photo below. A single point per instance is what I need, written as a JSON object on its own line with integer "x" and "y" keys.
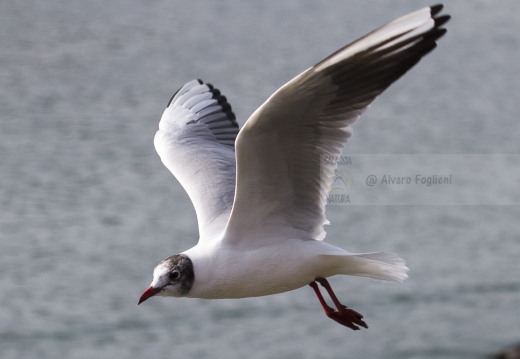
{"x": 88, "y": 209}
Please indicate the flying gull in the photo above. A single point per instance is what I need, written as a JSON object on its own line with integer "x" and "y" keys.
{"x": 260, "y": 192}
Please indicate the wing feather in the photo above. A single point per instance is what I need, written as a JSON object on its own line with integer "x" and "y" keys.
{"x": 195, "y": 141}
{"x": 282, "y": 179}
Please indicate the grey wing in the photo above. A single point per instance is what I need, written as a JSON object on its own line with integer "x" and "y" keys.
{"x": 284, "y": 149}
{"x": 195, "y": 141}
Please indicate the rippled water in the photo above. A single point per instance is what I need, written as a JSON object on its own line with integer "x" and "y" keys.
{"x": 88, "y": 208}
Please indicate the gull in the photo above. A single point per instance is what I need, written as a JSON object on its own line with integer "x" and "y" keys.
{"x": 260, "y": 192}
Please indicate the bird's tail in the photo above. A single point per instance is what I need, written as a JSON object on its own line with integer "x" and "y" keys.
{"x": 379, "y": 266}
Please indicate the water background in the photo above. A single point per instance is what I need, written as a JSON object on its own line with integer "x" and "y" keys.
{"x": 88, "y": 209}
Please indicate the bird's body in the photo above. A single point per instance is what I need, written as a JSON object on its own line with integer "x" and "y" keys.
{"x": 232, "y": 272}
{"x": 260, "y": 193}
{"x": 280, "y": 265}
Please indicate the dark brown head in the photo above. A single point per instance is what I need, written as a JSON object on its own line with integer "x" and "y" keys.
{"x": 172, "y": 277}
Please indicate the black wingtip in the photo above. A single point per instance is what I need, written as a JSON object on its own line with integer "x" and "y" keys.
{"x": 171, "y": 99}
{"x": 440, "y": 33}
{"x": 441, "y": 20}
{"x": 435, "y": 9}
{"x": 176, "y": 92}
{"x": 435, "y": 34}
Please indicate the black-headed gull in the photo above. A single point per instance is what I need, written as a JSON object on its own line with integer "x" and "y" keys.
{"x": 260, "y": 193}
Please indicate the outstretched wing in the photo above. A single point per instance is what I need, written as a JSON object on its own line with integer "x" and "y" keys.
{"x": 196, "y": 140}
{"x": 284, "y": 149}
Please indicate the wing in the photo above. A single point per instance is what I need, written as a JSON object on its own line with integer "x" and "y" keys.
{"x": 283, "y": 150}
{"x": 195, "y": 141}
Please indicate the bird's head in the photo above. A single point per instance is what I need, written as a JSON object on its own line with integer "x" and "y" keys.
{"x": 172, "y": 277}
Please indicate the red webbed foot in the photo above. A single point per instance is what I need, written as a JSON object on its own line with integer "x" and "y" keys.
{"x": 343, "y": 315}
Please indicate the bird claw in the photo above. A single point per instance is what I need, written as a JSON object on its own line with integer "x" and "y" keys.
{"x": 347, "y": 317}
{"x": 343, "y": 315}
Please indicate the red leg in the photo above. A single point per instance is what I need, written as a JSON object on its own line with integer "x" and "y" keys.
{"x": 343, "y": 315}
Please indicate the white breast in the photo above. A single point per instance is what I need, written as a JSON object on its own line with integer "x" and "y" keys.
{"x": 233, "y": 272}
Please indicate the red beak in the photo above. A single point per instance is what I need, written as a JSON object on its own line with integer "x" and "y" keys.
{"x": 150, "y": 292}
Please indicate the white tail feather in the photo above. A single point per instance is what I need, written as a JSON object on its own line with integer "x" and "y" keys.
{"x": 379, "y": 266}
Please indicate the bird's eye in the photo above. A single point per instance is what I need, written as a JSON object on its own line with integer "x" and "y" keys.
{"x": 174, "y": 275}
